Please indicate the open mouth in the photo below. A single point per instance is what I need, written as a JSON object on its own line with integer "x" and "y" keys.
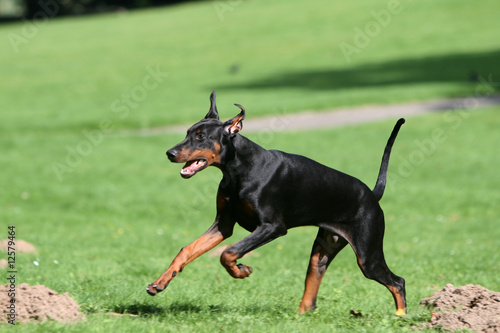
{"x": 192, "y": 167}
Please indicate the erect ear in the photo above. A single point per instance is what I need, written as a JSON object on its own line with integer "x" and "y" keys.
{"x": 212, "y": 113}
{"x": 234, "y": 125}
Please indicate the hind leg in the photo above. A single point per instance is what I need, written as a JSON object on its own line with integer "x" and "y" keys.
{"x": 325, "y": 248}
{"x": 375, "y": 268}
{"x": 371, "y": 261}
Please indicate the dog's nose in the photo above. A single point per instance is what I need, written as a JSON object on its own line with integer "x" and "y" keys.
{"x": 172, "y": 154}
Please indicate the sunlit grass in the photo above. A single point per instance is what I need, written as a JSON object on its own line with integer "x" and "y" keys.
{"x": 108, "y": 213}
{"x": 156, "y": 67}
{"x": 114, "y": 223}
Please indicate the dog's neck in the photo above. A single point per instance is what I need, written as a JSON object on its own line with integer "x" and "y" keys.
{"x": 241, "y": 154}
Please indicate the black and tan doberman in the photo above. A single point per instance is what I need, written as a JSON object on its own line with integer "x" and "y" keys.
{"x": 268, "y": 192}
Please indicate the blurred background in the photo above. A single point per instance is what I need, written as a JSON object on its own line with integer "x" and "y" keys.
{"x": 291, "y": 56}
{"x": 88, "y": 90}
{"x": 17, "y": 9}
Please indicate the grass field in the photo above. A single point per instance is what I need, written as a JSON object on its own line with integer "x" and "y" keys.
{"x": 70, "y": 73}
{"x": 108, "y": 213}
{"x": 118, "y": 219}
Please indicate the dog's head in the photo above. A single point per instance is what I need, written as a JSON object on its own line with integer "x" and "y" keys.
{"x": 205, "y": 141}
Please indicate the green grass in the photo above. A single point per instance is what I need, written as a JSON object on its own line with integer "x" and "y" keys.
{"x": 117, "y": 220}
{"x": 108, "y": 219}
{"x": 71, "y": 72}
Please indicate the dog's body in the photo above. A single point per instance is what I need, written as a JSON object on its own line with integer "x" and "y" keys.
{"x": 268, "y": 192}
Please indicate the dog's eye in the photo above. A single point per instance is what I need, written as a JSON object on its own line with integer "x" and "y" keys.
{"x": 200, "y": 136}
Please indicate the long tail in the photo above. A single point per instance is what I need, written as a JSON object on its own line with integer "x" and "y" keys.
{"x": 379, "y": 188}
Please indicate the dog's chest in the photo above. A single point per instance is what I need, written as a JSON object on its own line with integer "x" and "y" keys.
{"x": 245, "y": 214}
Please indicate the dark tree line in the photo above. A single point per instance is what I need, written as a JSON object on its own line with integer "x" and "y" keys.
{"x": 51, "y": 8}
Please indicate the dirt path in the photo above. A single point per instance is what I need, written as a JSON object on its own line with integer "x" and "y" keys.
{"x": 338, "y": 117}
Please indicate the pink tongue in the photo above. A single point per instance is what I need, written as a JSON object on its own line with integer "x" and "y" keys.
{"x": 191, "y": 168}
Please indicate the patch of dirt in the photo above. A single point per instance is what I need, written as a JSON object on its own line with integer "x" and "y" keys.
{"x": 470, "y": 307}
{"x": 281, "y": 121}
{"x": 38, "y": 304}
{"x": 20, "y": 246}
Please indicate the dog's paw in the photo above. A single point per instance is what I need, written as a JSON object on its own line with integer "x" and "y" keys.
{"x": 244, "y": 271}
{"x": 153, "y": 289}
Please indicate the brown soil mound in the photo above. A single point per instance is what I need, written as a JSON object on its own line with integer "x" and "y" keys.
{"x": 20, "y": 246}
{"x": 470, "y": 307}
{"x": 37, "y": 304}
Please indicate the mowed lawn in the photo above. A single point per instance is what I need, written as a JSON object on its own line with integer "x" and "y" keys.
{"x": 114, "y": 223}
{"x": 158, "y": 66}
{"x": 107, "y": 212}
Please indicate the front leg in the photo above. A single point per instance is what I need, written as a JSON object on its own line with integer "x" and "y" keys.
{"x": 262, "y": 235}
{"x": 211, "y": 238}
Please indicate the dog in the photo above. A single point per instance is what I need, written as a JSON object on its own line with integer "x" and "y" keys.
{"x": 268, "y": 192}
